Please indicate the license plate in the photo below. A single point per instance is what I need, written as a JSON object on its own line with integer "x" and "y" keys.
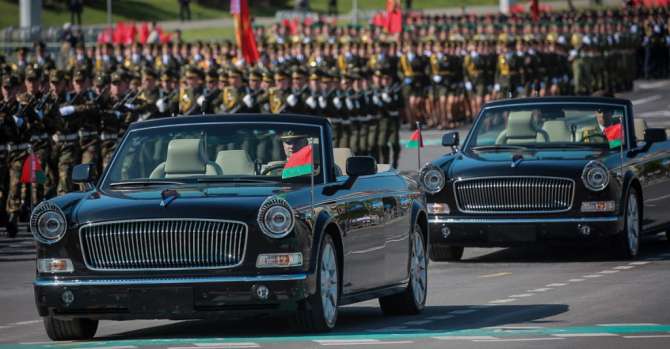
{"x": 172, "y": 300}
{"x": 512, "y": 233}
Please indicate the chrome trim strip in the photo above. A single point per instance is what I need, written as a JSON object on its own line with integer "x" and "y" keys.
{"x": 144, "y": 242}
{"x": 521, "y": 193}
{"x": 523, "y": 220}
{"x": 169, "y": 281}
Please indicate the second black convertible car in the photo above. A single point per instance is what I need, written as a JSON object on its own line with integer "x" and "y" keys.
{"x": 550, "y": 169}
{"x": 199, "y": 217}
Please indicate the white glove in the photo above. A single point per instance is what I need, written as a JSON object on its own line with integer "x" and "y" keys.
{"x": 292, "y": 100}
{"x": 129, "y": 106}
{"x": 468, "y": 85}
{"x": 118, "y": 114}
{"x": 386, "y": 97}
{"x": 437, "y": 79}
{"x": 349, "y": 103}
{"x": 200, "y": 100}
{"x": 337, "y": 102}
{"x": 160, "y": 104}
{"x": 496, "y": 87}
{"x": 66, "y": 110}
{"x": 323, "y": 103}
{"x": 376, "y": 100}
{"x": 18, "y": 120}
{"x": 248, "y": 101}
{"x": 311, "y": 102}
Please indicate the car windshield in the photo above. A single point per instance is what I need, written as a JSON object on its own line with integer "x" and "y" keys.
{"x": 564, "y": 126}
{"x": 217, "y": 153}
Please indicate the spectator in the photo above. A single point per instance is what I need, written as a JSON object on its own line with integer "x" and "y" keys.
{"x": 332, "y": 7}
{"x": 185, "y": 10}
{"x": 76, "y": 8}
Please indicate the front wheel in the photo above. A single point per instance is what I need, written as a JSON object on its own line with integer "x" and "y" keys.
{"x": 75, "y": 329}
{"x": 628, "y": 243}
{"x": 318, "y": 313}
{"x": 413, "y": 300}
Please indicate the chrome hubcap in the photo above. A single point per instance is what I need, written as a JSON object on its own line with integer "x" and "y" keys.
{"x": 633, "y": 226}
{"x": 329, "y": 281}
{"x": 418, "y": 269}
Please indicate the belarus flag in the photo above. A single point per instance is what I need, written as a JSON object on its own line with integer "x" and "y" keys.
{"x": 614, "y": 135}
{"x": 300, "y": 163}
{"x": 32, "y": 170}
{"x": 416, "y": 140}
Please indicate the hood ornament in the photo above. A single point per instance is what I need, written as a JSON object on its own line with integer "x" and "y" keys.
{"x": 167, "y": 196}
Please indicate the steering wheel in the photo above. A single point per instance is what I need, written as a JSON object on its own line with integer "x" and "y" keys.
{"x": 272, "y": 167}
{"x": 594, "y": 135}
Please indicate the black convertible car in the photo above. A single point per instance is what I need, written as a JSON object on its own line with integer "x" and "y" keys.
{"x": 549, "y": 169}
{"x": 199, "y": 217}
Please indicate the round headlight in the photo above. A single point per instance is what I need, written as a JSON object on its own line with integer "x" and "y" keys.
{"x": 595, "y": 176}
{"x": 275, "y": 217}
{"x": 432, "y": 179}
{"x": 47, "y": 223}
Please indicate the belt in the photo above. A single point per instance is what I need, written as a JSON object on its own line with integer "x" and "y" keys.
{"x": 65, "y": 138}
{"x": 84, "y": 134}
{"x": 15, "y": 147}
{"x": 39, "y": 137}
{"x": 108, "y": 136}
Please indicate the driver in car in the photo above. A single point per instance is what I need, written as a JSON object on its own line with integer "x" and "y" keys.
{"x": 598, "y": 134}
{"x": 292, "y": 142}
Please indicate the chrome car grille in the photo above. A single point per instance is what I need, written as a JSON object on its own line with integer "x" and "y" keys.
{"x": 163, "y": 244}
{"x": 514, "y": 194}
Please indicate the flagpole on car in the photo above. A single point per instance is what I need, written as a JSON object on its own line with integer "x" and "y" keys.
{"x": 418, "y": 149}
{"x": 311, "y": 177}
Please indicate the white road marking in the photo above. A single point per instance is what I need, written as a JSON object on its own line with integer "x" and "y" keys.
{"x": 463, "y": 338}
{"x": 463, "y": 311}
{"x": 3, "y": 327}
{"x": 622, "y": 325}
{"x": 112, "y": 347}
{"x": 501, "y": 301}
{"x": 518, "y": 339}
{"x": 593, "y": 276}
{"x": 545, "y": 289}
{"x": 609, "y": 271}
{"x": 651, "y": 85}
{"x": 417, "y": 322}
{"x": 440, "y": 317}
{"x": 495, "y": 275}
{"x": 513, "y": 328}
{"x": 558, "y": 284}
{"x": 646, "y": 99}
{"x": 648, "y": 336}
{"x": 624, "y": 267}
{"x": 29, "y": 322}
{"x": 337, "y": 342}
{"x": 638, "y": 263}
{"x": 594, "y": 334}
{"x": 576, "y": 280}
{"x": 523, "y": 295}
{"x": 226, "y": 345}
{"x": 655, "y": 113}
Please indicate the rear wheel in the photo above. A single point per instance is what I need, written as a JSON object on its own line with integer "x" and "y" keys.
{"x": 75, "y": 329}
{"x": 446, "y": 253}
{"x": 318, "y": 313}
{"x": 413, "y": 299}
{"x": 628, "y": 243}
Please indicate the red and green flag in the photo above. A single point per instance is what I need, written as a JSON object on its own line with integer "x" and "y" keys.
{"x": 415, "y": 140}
{"x": 300, "y": 163}
{"x": 32, "y": 170}
{"x": 614, "y": 135}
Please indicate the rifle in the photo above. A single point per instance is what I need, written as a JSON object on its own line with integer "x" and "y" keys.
{"x": 239, "y": 105}
{"x": 99, "y": 97}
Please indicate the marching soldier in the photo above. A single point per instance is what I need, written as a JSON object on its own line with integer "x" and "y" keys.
{"x": 167, "y": 103}
{"x": 148, "y": 95}
{"x": 389, "y": 126}
{"x": 234, "y": 93}
{"x": 40, "y": 132}
{"x": 188, "y": 99}
{"x": 113, "y": 116}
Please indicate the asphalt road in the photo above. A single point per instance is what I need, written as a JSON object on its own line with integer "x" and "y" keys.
{"x": 556, "y": 297}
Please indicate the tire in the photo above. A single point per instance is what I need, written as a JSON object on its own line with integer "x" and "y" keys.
{"x": 318, "y": 313}
{"x": 446, "y": 253}
{"x": 413, "y": 300}
{"x": 75, "y": 329}
{"x": 628, "y": 243}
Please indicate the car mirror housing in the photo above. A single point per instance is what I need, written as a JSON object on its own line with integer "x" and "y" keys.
{"x": 450, "y": 139}
{"x": 84, "y": 174}
{"x": 655, "y": 135}
{"x": 361, "y": 166}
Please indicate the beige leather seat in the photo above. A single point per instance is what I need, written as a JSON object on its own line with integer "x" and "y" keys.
{"x": 341, "y": 155}
{"x": 235, "y": 162}
{"x": 186, "y": 158}
{"x": 520, "y": 129}
{"x": 557, "y": 130}
{"x": 640, "y": 126}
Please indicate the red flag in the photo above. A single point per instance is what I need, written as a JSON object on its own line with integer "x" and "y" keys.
{"x": 535, "y": 10}
{"x": 300, "y": 163}
{"x": 393, "y": 17}
{"x": 246, "y": 40}
{"x": 144, "y": 33}
{"x": 415, "y": 140}
{"x": 32, "y": 170}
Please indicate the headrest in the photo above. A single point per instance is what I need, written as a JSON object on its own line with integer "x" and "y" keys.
{"x": 557, "y": 130}
{"x": 235, "y": 162}
{"x": 640, "y": 126}
{"x": 519, "y": 125}
{"x": 341, "y": 155}
{"x": 186, "y": 156}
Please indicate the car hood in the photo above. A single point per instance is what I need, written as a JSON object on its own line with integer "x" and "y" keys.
{"x": 209, "y": 202}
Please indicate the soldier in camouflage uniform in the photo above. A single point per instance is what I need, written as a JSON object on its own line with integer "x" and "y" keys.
{"x": 18, "y": 138}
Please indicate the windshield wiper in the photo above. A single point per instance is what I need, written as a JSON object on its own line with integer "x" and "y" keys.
{"x": 233, "y": 180}
{"x": 143, "y": 183}
{"x": 569, "y": 145}
{"x": 502, "y": 147}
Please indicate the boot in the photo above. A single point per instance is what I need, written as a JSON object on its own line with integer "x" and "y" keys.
{"x": 12, "y": 226}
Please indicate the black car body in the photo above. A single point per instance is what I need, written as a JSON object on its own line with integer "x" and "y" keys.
{"x": 173, "y": 250}
{"x": 495, "y": 193}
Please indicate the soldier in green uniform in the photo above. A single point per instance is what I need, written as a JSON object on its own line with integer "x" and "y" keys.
{"x": 167, "y": 103}
{"x": 188, "y": 99}
{"x": 82, "y": 99}
{"x": 112, "y": 116}
{"x": 148, "y": 96}
{"x": 389, "y": 126}
{"x": 16, "y": 139}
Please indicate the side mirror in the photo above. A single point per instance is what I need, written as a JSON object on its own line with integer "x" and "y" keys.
{"x": 450, "y": 139}
{"x": 655, "y": 135}
{"x": 361, "y": 166}
{"x": 84, "y": 174}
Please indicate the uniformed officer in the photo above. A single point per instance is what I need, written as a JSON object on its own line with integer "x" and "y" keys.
{"x": 389, "y": 126}
{"x": 188, "y": 99}
{"x": 113, "y": 116}
{"x": 14, "y": 138}
{"x": 148, "y": 96}
{"x": 167, "y": 103}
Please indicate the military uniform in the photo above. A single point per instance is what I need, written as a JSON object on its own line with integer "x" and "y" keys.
{"x": 188, "y": 98}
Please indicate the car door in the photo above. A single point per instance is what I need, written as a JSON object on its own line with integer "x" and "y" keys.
{"x": 397, "y": 228}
